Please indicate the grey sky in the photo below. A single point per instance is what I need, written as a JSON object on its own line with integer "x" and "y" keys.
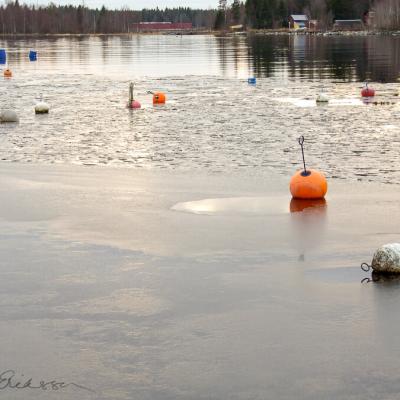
{"x": 138, "y": 4}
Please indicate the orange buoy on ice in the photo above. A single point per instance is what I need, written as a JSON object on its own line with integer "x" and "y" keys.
{"x": 159, "y": 98}
{"x": 7, "y": 73}
{"x": 308, "y": 183}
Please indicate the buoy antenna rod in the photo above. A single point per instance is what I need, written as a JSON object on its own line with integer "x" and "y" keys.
{"x": 131, "y": 92}
{"x": 301, "y": 143}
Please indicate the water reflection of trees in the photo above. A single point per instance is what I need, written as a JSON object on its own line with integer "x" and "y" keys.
{"x": 318, "y": 57}
{"x": 233, "y": 55}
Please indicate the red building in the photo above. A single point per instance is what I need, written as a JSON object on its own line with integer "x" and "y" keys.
{"x": 161, "y": 26}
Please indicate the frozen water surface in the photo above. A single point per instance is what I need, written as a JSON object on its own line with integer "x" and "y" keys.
{"x": 213, "y": 120}
{"x": 177, "y": 266}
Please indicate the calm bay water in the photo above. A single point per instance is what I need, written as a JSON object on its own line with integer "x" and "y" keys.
{"x": 213, "y": 120}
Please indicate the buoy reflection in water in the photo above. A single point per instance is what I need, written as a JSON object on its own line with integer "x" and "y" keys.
{"x": 308, "y": 218}
{"x": 379, "y": 277}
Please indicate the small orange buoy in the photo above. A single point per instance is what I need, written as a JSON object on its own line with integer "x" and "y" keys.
{"x": 159, "y": 98}
{"x": 308, "y": 185}
{"x": 7, "y": 73}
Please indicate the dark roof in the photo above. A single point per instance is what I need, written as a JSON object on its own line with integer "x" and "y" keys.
{"x": 348, "y": 21}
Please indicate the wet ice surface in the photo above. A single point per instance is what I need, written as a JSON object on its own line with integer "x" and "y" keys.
{"x": 204, "y": 280}
{"x": 234, "y": 205}
{"x": 208, "y": 123}
{"x": 106, "y": 286}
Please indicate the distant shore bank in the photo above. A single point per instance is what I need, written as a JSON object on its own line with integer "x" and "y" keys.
{"x": 283, "y": 32}
{"x": 323, "y": 33}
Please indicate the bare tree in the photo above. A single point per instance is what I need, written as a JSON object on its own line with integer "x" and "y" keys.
{"x": 387, "y": 14}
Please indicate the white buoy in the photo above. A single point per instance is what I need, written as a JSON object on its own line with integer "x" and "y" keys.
{"x": 322, "y": 98}
{"x": 386, "y": 259}
{"x": 42, "y": 107}
{"x": 8, "y": 116}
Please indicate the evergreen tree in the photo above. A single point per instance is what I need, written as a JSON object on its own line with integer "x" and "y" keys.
{"x": 342, "y": 9}
{"x": 283, "y": 14}
{"x": 220, "y": 20}
{"x": 236, "y": 11}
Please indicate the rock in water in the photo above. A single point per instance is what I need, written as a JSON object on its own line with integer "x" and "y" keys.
{"x": 8, "y": 116}
{"x": 387, "y": 259}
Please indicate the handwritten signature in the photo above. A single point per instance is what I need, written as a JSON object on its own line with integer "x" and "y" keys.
{"x": 10, "y": 380}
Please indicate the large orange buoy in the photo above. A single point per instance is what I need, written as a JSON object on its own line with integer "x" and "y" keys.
{"x": 308, "y": 183}
{"x": 159, "y": 98}
{"x": 7, "y": 73}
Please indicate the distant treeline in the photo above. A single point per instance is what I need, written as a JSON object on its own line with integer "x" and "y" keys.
{"x": 52, "y": 19}
{"x": 56, "y": 19}
{"x": 273, "y": 13}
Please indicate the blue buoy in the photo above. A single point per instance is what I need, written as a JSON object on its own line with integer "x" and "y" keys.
{"x": 33, "y": 55}
{"x": 3, "y": 56}
{"x": 252, "y": 81}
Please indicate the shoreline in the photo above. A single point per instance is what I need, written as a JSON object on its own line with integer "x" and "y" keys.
{"x": 249, "y": 32}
